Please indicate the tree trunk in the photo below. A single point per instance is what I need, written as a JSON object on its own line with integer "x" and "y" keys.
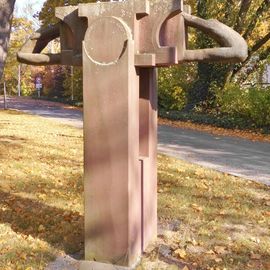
{"x": 198, "y": 93}
{"x": 6, "y": 13}
{"x": 244, "y": 8}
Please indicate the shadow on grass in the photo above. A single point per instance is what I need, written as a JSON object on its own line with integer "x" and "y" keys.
{"x": 7, "y": 142}
{"x": 61, "y": 228}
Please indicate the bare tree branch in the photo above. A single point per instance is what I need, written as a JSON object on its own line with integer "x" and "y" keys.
{"x": 256, "y": 47}
{"x": 228, "y": 9}
{"x": 262, "y": 56}
{"x": 260, "y": 43}
{"x": 244, "y": 8}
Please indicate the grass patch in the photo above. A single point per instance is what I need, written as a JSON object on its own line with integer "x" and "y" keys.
{"x": 41, "y": 207}
{"x": 207, "y": 220}
{"x": 214, "y": 220}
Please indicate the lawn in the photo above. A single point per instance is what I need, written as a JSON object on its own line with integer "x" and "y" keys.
{"x": 207, "y": 220}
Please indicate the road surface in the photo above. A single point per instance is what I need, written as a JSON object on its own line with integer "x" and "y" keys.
{"x": 232, "y": 155}
{"x": 235, "y": 156}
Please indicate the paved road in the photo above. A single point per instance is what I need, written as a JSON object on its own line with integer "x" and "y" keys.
{"x": 235, "y": 156}
{"x": 47, "y": 109}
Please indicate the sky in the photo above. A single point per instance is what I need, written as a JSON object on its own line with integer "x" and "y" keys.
{"x": 36, "y": 5}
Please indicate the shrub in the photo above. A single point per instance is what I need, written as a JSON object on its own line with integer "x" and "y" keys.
{"x": 251, "y": 103}
{"x": 259, "y": 105}
{"x": 171, "y": 94}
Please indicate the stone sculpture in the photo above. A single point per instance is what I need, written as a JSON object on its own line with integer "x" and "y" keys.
{"x": 119, "y": 45}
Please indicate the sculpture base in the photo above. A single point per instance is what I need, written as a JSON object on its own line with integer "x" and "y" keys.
{"x": 90, "y": 265}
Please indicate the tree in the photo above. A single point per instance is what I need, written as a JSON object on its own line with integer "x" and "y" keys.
{"x": 6, "y": 12}
{"x": 47, "y": 14}
{"x": 47, "y": 17}
{"x": 251, "y": 20}
{"x": 22, "y": 29}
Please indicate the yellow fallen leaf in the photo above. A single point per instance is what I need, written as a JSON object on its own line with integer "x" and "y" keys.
{"x": 222, "y": 213}
{"x": 194, "y": 242}
{"x": 41, "y": 228}
{"x": 261, "y": 221}
{"x": 196, "y": 207}
{"x": 181, "y": 253}
{"x": 218, "y": 260}
{"x": 220, "y": 250}
{"x": 171, "y": 267}
{"x": 255, "y": 240}
{"x": 255, "y": 256}
{"x": 204, "y": 186}
{"x": 267, "y": 203}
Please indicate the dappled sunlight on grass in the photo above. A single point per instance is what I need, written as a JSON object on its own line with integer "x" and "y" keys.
{"x": 215, "y": 210}
{"x": 40, "y": 189}
{"x": 19, "y": 251}
{"x": 206, "y": 219}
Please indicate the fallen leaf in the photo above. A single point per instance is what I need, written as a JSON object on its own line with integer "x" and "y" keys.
{"x": 255, "y": 256}
{"x": 220, "y": 250}
{"x": 222, "y": 213}
{"x": 172, "y": 267}
{"x": 255, "y": 240}
{"x": 41, "y": 228}
{"x": 196, "y": 207}
{"x": 210, "y": 252}
{"x": 181, "y": 253}
{"x": 194, "y": 242}
{"x": 23, "y": 256}
{"x": 218, "y": 260}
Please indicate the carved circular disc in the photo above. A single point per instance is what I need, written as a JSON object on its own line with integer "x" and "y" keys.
{"x": 105, "y": 40}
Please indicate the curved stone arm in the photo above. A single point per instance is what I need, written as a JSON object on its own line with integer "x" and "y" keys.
{"x": 31, "y": 51}
{"x": 233, "y": 47}
{"x": 163, "y": 42}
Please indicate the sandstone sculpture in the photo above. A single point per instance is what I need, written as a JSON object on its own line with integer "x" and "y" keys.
{"x": 119, "y": 45}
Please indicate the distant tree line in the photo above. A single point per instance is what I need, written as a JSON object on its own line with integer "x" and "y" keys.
{"x": 202, "y": 87}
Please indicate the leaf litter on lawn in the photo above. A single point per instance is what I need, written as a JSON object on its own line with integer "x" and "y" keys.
{"x": 207, "y": 220}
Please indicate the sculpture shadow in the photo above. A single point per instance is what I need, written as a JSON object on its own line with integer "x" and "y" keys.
{"x": 10, "y": 142}
{"x": 61, "y": 228}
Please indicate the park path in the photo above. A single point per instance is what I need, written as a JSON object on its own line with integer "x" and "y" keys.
{"x": 235, "y": 156}
{"x": 48, "y": 109}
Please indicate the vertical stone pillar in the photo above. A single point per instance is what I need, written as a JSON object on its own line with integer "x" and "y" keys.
{"x": 111, "y": 124}
{"x": 148, "y": 153}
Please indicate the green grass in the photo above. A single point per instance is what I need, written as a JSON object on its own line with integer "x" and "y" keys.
{"x": 223, "y": 220}
{"x": 207, "y": 220}
{"x": 41, "y": 209}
